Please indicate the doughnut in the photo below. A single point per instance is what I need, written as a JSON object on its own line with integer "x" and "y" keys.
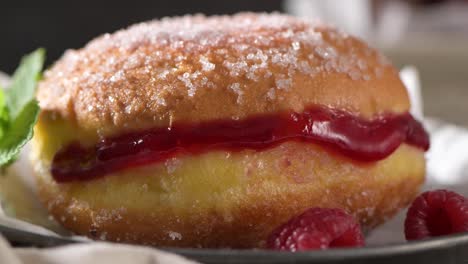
{"x": 211, "y": 131}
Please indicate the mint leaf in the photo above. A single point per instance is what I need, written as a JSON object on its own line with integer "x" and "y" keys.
{"x": 19, "y": 108}
{"x": 18, "y": 133}
{"x": 23, "y": 85}
{"x": 3, "y": 113}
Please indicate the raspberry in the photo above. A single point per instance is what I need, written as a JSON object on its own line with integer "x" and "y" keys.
{"x": 317, "y": 228}
{"x": 436, "y": 213}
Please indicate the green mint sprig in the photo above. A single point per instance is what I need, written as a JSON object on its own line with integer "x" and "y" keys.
{"x": 19, "y": 108}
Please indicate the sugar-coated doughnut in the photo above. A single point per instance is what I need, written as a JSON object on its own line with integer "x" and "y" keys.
{"x": 185, "y": 71}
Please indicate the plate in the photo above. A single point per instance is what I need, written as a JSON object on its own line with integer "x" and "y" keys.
{"x": 448, "y": 249}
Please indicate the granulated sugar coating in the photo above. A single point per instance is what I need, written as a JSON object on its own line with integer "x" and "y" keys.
{"x": 198, "y": 68}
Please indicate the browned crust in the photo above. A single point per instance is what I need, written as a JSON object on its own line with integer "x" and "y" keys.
{"x": 251, "y": 223}
{"x": 151, "y": 74}
{"x": 371, "y": 194}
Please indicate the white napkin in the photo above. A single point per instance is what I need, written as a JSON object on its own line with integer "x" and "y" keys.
{"x": 88, "y": 253}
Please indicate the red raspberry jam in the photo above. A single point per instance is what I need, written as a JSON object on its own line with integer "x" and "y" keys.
{"x": 355, "y": 137}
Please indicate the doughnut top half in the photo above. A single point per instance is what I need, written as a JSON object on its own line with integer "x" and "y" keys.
{"x": 198, "y": 68}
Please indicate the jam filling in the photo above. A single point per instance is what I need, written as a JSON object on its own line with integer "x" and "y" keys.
{"x": 355, "y": 137}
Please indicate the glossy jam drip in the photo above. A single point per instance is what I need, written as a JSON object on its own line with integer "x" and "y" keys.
{"x": 357, "y": 138}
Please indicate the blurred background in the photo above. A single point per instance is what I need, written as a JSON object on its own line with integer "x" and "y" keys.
{"x": 429, "y": 34}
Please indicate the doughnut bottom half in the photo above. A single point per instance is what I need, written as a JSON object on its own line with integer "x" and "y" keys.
{"x": 221, "y": 199}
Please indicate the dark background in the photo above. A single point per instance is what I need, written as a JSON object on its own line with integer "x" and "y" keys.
{"x": 72, "y": 25}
